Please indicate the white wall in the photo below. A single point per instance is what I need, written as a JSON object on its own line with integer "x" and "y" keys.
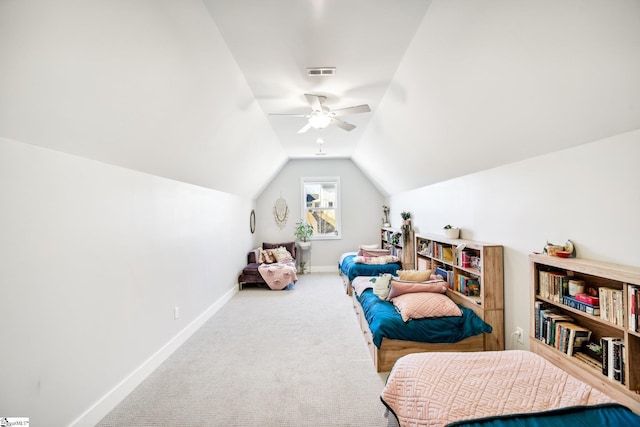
{"x": 361, "y": 209}
{"x": 94, "y": 259}
{"x": 588, "y": 194}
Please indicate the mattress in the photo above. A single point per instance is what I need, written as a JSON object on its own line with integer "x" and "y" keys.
{"x": 352, "y": 269}
{"x": 385, "y": 321}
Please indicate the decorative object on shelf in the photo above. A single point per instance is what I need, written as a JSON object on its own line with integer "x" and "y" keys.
{"x": 303, "y": 233}
{"x": 566, "y": 251}
{"x": 252, "y": 221}
{"x": 385, "y": 220}
{"x": 451, "y": 232}
{"x": 280, "y": 212}
{"x": 406, "y": 217}
{"x": 395, "y": 238}
{"x": 406, "y": 227}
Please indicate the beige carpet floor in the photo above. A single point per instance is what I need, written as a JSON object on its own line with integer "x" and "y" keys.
{"x": 267, "y": 358}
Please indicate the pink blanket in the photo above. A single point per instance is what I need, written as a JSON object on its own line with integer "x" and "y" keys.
{"x": 435, "y": 389}
{"x": 279, "y": 275}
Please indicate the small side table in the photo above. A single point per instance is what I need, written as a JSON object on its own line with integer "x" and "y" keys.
{"x": 303, "y": 258}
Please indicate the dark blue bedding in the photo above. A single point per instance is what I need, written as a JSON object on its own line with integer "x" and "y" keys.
{"x": 352, "y": 269}
{"x": 385, "y": 321}
{"x": 610, "y": 414}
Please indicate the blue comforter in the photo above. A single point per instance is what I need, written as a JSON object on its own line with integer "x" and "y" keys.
{"x": 610, "y": 414}
{"x": 385, "y": 321}
{"x": 352, "y": 269}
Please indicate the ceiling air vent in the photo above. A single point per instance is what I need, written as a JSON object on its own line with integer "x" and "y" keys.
{"x": 322, "y": 71}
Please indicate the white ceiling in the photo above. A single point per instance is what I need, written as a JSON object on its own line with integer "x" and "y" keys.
{"x": 479, "y": 83}
{"x": 274, "y": 42}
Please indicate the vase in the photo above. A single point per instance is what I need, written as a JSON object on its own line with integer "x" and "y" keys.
{"x": 452, "y": 233}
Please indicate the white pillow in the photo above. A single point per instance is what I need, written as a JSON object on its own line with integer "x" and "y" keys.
{"x": 382, "y": 285}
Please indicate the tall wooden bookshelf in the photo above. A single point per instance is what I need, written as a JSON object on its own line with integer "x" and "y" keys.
{"x": 595, "y": 275}
{"x": 475, "y": 272}
{"x": 399, "y": 244}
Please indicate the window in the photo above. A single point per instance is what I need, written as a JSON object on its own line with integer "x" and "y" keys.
{"x": 321, "y": 206}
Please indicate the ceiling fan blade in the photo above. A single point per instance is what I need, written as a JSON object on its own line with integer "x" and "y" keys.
{"x": 351, "y": 110}
{"x": 305, "y": 128}
{"x": 315, "y": 101}
{"x": 343, "y": 125}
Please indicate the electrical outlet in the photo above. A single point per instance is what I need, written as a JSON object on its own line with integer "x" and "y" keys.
{"x": 520, "y": 335}
{"x": 176, "y": 313}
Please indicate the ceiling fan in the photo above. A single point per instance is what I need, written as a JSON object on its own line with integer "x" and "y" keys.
{"x": 321, "y": 116}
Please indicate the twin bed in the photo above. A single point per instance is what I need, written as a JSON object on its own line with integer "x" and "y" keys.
{"x": 352, "y": 265}
{"x": 389, "y": 336}
{"x": 510, "y": 388}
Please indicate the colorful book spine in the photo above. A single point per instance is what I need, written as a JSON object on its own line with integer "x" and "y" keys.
{"x": 579, "y": 305}
{"x": 588, "y": 299}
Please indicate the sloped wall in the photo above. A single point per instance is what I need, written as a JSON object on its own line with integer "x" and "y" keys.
{"x": 146, "y": 85}
{"x": 486, "y": 83}
{"x": 94, "y": 259}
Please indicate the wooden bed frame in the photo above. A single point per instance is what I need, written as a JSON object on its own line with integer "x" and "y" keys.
{"x": 391, "y": 350}
{"x": 347, "y": 283}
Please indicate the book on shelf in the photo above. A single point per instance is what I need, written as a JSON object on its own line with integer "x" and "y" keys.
{"x": 549, "y": 320}
{"x": 618, "y": 363}
{"x": 579, "y": 305}
{"x": 594, "y": 363}
{"x": 613, "y": 358}
{"x": 538, "y": 307}
{"x": 588, "y": 299}
{"x": 447, "y": 254}
{"x": 634, "y": 301}
{"x": 611, "y": 305}
{"x": 467, "y": 285}
{"x": 569, "y": 336}
{"x": 446, "y": 274}
{"x": 578, "y": 336}
{"x": 552, "y": 285}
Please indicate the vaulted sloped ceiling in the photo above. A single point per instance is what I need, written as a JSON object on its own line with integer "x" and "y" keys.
{"x": 183, "y": 88}
{"x": 141, "y": 84}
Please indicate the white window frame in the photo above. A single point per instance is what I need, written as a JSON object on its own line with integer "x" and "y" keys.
{"x": 303, "y": 205}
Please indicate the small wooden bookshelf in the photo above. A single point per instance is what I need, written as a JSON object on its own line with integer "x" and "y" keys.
{"x": 399, "y": 244}
{"x": 475, "y": 274}
{"x": 619, "y": 279}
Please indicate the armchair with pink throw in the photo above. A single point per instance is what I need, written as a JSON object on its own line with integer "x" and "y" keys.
{"x": 262, "y": 262}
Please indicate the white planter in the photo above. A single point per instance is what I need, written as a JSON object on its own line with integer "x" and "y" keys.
{"x": 452, "y": 233}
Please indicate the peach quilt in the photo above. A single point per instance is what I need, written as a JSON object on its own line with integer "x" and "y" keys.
{"x": 279, "y": 275}
{"x": 435, "y": 389}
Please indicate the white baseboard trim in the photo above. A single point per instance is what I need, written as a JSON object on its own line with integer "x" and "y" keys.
{"x": 110, "y": 400}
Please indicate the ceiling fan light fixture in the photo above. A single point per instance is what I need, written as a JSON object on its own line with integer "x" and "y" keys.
{"x": 319, "y": 120}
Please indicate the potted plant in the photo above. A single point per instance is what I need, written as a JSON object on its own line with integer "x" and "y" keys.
{"x": 406, "y": 217}
{"x": 303, "y": 233}
{"x": 451, "y": 232}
